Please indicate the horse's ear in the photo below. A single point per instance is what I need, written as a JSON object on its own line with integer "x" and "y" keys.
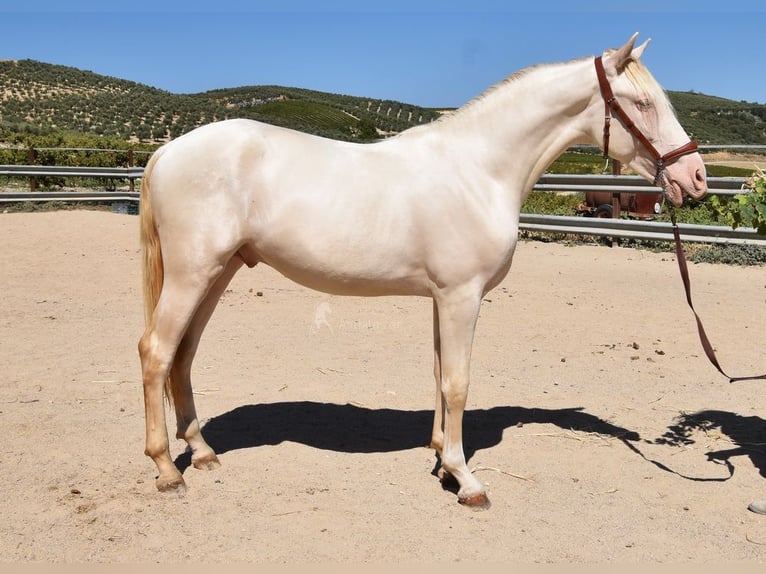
{"x": 622, "y": 56}
{"x": 637, "y": 52}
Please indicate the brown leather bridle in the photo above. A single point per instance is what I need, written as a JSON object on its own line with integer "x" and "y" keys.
{"x": 612, "y": 105}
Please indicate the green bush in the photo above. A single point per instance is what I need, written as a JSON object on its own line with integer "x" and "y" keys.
{"x": 547, "y": 203}
{"x": 746, "y": 209}
{"x": 730, "y": 254}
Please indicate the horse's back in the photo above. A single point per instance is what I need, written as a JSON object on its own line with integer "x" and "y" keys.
{"x": 228, "y": 169}
{"x": 216, "y": 150}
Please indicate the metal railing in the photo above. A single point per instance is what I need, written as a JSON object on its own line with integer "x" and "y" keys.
{"x": 71, "y": 171}
{"x": 627, "y": 184}
{"x": 638, "y": 229}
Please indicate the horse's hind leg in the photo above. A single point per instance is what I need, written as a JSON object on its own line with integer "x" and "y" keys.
{"x": 188, "y": 427}
{"x": 181, "y": 295}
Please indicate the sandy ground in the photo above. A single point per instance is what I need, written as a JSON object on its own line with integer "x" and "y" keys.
{"x": 600, "y": 429}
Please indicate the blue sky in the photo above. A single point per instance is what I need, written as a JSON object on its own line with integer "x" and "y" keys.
{"x": 427, "y": 52}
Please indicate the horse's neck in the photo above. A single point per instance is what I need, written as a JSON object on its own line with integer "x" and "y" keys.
{"x": 527, "y": 121}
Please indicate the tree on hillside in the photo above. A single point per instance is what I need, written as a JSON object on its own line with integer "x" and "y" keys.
{"x": 365, "y": 129}
{"x": 143, "y": 132}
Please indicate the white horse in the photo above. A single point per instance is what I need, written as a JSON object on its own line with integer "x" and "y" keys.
{"x": 433, "y": 211}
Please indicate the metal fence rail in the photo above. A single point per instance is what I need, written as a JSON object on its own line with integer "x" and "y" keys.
{"x": 38, "y": 196}
{"x": 71, "y": 171}
{"x": 627, "y": 184}
{"x": 639, "y": 229}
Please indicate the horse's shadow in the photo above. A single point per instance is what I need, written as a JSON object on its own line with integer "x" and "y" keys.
{"x": 747, "y": 434}
{"x": 355, "y": 429}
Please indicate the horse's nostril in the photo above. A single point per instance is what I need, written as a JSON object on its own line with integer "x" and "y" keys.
{"x": 700, "y": 181}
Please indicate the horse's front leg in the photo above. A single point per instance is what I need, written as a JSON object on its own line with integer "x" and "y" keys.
{"x": 457, "y": 314}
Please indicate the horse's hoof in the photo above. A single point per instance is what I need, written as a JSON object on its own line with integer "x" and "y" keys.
{"x": 206, "y": 462}
{"x": 175, "y": 486}
{"x": 757, "y": 506}
{"x": 476, "y": 501}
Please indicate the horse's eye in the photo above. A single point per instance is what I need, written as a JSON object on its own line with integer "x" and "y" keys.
{"x": 643, "y": 105}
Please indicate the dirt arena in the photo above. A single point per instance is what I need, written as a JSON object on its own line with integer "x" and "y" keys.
{"x": 599, "y": 427}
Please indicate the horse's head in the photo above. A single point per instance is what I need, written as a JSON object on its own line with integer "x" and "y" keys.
{"x": 645, "y": 134}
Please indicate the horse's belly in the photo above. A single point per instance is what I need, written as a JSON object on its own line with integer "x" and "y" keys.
{"x": 336, "y": 282}
{"x": 343, "y": 270}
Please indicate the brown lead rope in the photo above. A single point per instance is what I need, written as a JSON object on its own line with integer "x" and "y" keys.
{"x": 708, "y": 348}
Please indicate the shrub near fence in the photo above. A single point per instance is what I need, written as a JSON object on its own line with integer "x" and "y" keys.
{"x": 747, "y": 209}
{"x": 69, "y": 158}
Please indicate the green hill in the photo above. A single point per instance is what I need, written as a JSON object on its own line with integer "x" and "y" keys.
{"x": 40, "y": 98}
{"x": 44, "y": 98}
{"x": 713, "y": 120}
